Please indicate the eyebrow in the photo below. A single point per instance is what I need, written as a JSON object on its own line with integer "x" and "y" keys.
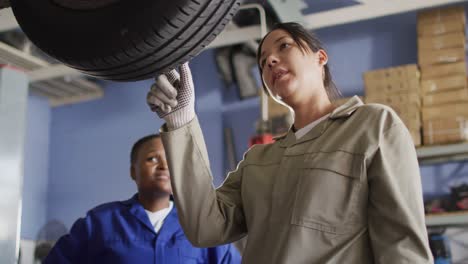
{"x": 276, "y": 41}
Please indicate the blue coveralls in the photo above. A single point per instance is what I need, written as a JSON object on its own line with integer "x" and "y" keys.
{"x": 121, "y": 232}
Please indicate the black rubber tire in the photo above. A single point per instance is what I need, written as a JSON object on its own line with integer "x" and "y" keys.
{"x": 128, "y": 40}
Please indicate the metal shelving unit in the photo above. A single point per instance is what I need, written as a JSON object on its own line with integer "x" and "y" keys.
{"x": 441, "y": 154}
{"x": 455, "y": 219}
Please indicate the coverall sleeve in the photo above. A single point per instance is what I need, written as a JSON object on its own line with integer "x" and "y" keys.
{"x": 395, "y": 211}
{"x": 209, "y": 216}
{"x": 72, "y": 248}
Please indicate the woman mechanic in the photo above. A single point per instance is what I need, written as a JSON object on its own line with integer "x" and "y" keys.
{"x": 343, "y": 186}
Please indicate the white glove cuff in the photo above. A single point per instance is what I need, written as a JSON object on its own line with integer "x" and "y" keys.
{"x": 179, "y": 118}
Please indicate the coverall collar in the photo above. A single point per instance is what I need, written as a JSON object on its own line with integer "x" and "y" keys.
{"x": 170, "y": 226}
{"x": 343, "y": 111}
{"x": 346, "y": 109}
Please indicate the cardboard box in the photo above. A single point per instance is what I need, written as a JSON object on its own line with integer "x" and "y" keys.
{"x": 447, "y": 41}
{"x": 409, "y": 113}
{"x": 451, "y": 96}
{"x": 413, "y": 122}
{"x": 438, "y": 15}
{"x": 403, "y": 98}
{"x": 391, "y": 85}
{"x": 443, "y": 131}
{"x": 443, "y": 84}
{"x": 416, "y": 136}
{"x": 431, "y": 57}
{"x": 381, "y": 85}
{"x": 398, "y": 88}
{"x": 409, "y": 71}
{"x": 413, "y": 125}
{"x": 372, "y": 90}
{"x": 442, "y": 27}
{"x": 441, "y": 70}
{"x": 444, "y": 111}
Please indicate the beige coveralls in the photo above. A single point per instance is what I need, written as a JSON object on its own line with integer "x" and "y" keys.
{"x": 349, "y": 191}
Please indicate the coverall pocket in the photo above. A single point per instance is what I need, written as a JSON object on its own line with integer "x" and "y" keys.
{"x": 326, "y": 191}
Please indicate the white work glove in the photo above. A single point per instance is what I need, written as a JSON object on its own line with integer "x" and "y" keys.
{"x": 172, "y": 97}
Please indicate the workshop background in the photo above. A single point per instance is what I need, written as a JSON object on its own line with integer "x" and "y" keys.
{"x": 77, "y": 149}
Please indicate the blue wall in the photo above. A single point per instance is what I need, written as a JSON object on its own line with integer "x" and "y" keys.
{"x": 90, "y": 146}
{"x": 363, "y": 46}
{"x": 208, "y": 94}
{"x": 36, "y": 167}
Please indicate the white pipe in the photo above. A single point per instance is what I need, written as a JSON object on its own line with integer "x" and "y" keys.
{"x": 263, "y": 32}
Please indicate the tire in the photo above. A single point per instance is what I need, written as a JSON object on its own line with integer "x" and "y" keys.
{"x": 125, "y": 40}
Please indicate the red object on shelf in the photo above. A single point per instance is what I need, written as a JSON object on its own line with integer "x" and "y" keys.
{"x": 261, "y": 139}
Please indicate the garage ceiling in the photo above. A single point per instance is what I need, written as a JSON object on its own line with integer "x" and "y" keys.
{"x": 47, "y": 78}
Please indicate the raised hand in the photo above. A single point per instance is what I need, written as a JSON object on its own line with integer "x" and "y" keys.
{"x": 172, "y": 97}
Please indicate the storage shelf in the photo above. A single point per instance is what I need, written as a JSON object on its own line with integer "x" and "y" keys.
{"x": 447, "y": 219}
{"x": 440, "y": 154}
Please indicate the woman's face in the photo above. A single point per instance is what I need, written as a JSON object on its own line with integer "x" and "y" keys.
{"x": 289, "y": 73}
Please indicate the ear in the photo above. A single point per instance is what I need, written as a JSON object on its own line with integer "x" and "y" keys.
{"x": 323, "y": 57}
{"x": 132, "y": 172}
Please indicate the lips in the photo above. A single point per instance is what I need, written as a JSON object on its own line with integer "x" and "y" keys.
{"x": 278, "y": 74}
{"x": 162, "y": 176}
